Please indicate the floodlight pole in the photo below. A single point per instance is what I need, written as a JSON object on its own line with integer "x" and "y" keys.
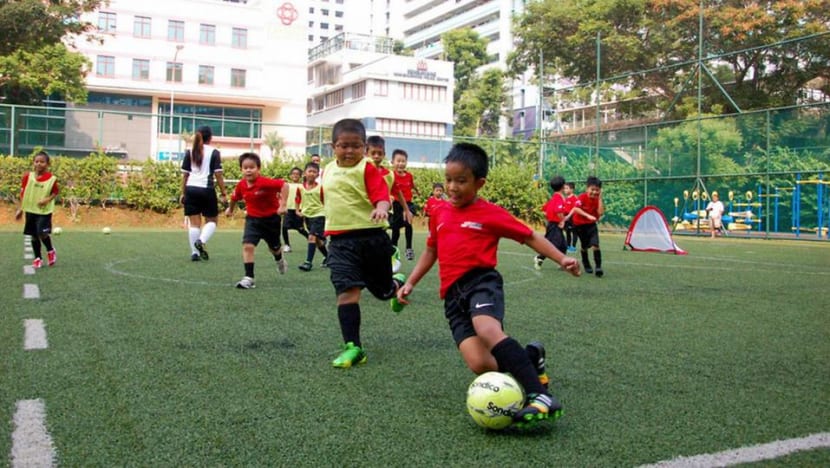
{"x": 179, "y": 47}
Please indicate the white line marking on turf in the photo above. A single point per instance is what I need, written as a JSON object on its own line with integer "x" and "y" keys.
{"x": 31, "y": 443}
{"x": 31, "y": 291}
{"x": 28, "y": 270}
{"x": 28, "y": 256}
{"x": 753, "y": 453}
{"x": 34, "y": 335}
{"x": 28, "y": 249}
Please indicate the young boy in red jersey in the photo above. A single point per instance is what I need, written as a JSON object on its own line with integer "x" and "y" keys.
{"x": 435, "y": 199}
{"x": 262, "y": 221}
{"x": 556, "y": 213}
{"x": 570, "y": 202}
{"x": 463, "y": 238}
{"x": 403, "y": 211}
{"x": 376, "y": 152}
{"x": 585, "y": 214}
{"x": 356, "y": 210}
{"x": 38, "y": 191}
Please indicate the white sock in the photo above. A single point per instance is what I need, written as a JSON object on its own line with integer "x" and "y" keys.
{"x": 193, "y": 235}
{"x": 207, "y": 232}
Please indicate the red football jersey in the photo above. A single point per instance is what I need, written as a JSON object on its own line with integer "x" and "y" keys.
{"x": 468, "y": 238}
{"x": 589, "y": 205}
{"x": 555, "y": 209}
{"x": 262, "y": 198}
{"x": 431, "y": 204}
{"x": 403, "y": 183}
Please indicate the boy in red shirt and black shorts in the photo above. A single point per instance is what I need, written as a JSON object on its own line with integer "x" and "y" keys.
{"x": 556, "y": 213}
{"x": 262, "y": 221}
{"x": 585, "y": 214}
{"x": 463, "y": 238}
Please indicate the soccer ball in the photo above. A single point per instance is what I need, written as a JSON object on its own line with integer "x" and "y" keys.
{"x": 57, "y": 231}
{"x": 106, "y": 230}
{"x": 493, "y": 398}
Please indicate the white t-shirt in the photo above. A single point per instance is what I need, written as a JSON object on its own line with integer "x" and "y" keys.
{"x": 202, "y": 176}
{"x": 715, "y": 209}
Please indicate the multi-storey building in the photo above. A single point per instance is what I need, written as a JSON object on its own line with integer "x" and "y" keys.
{"x": 406, "y": 99}
{"x": 237, "y": 66}
{"x": 328, "y": 18}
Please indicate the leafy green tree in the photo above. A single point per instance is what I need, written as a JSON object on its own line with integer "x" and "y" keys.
{"x": 720, "y": 142}
{"x": 468, "y": 51}
{"x": 478, "y": 111}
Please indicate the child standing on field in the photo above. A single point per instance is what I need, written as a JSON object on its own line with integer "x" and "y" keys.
{"x": 557, "y": 214}
{"x": 38, "y": 191}
{"x": 262, "y": 221}
{"x": 715, "y": 211}
{"x": 586, "y": 213}
{"x": 356, "y": 210}
{"x": 570, "y": 202}
{"x": 201, "y": 165}
{"x": 435, "y": 199}
{"x": 376, "y": 152}
{"x": 292, "y": 221}
{"x": 463, "y": 238}
{"x": 311, "y": 208}
{"x": 403, "y": 211}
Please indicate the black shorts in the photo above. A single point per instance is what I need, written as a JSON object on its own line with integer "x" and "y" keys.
{"x": 396, "y": 221}
{"x": 267, "y": 229}
{"x": 200, "y": 201}
{"x": 292, "y": 220}
{"x": 478, "y": 292}
{"x": 588, "y": 235}
{"x": 38, "y": 224}
{"x": 556, "y": 237}
{"x": 362, "y": 259}
{"x": 316, "y": 226}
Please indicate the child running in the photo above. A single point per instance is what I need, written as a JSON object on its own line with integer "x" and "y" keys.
{"x": 356, "y": 210}
{"x": 292, "y": 221}
{"x": 463, "y": 237}
{"x": 262, "y": 221}
{"x": 403, "y": 211}
{"x": 556, "y": 213}
{"x": 570, "y": 202}
{"x": 585, "y": 214}
{"x": 376, "y": 152}
{"x": 38, "y": 191}
{"x": 310, "y": 207}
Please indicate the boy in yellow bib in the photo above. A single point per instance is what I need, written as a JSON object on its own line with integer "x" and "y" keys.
{"x": 39, "y": 189}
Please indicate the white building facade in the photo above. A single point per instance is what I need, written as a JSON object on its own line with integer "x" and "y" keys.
{"x": 237, "y": 66}
{"x": 408, "y": 100}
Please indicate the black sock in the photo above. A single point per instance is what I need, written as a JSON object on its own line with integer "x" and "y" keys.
{"x": 277, "y": 254}
{"x": 598, "y": 259}
{"x": 303, "y": 232}
{"x": 249, "y": 270}
{"x": 36, "y": 246}
{"x": 585, "y": 262}
{"x": 310, "y": 255}
{"x": 407, "y": 232}
{"x": 47, "y": 242}
{"x": 512, "y": 358}
{"x": 349, "y": 317}
{"x": 285, "y": 236}
{"x": 323, "y": 249}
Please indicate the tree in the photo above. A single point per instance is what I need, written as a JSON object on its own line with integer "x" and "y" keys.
{"x": 478, "y": 111}
{"x": 35, "y": 62}
{"x": 467, "y": 51}
{"x": 647, "y": 34}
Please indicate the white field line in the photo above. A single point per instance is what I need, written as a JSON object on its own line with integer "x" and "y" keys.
{"x": 753, "y": 453}
{"x": 28, "y": 249}
{"x": 28, "y": 256}
{"x": 31, "y": 443}
{"x": 34, "y": 336}
{"x": 31, "y": 291}
{"x": 28, "y": 270}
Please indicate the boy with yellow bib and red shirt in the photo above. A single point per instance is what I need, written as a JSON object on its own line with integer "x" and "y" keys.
{"x": 38, "y": 191}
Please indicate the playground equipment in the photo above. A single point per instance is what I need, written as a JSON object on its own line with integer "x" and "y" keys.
{"x": 741, "y": 215}
{"x": 821, "y": 230}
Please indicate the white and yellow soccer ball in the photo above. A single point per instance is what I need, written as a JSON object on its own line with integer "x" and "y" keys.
{"x": 57, "y": 231}
{"x": 493, "y": 398}
{"x": 106, "y": 230}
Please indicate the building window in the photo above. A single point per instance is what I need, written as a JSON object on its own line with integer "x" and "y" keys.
{"x": 174, "y": 72}
{"x": 334, "y": 98}
{"x": 359, "y": 90}
{"x": 206, "y": 74}
{"x": 175, "y": 31}
{"x": 311, "y": 9}
{"x": 141, "y": 69}
{"x": 105, "y": 66}
{"x": 381, "y": 88}
{"x": 324, "y": 38}
{"x": 141, "y": 26}
{"x": 338, "y": 27}
{"x": 237, "y": 122}
{"x": 207, "y": 34}
{"x": 106, "y": 22}
{"x": 324, "y": 25}
{"x": 239, "y": 38}
{"x": 311, "y": 24}
{"x": 237, "y": 78}
{"x": 324, "y": 12}
{"x": 311, "y": 38}
{"x": 338, "y": 14}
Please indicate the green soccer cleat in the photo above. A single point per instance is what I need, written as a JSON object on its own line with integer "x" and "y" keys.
{"x": 350, "y": 356}
{"x": 394, "y": 304}
{"x": 539, "y": 407}
{"x": 396, "y": 260}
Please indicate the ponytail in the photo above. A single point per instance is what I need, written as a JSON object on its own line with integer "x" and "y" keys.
{"x": 197, "y": 152}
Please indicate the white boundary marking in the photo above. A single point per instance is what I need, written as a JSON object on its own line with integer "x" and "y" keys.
{"x": 753, "y": 453}
{"x": 34, "y": 334}
{"x": 31, "y": 443}
{"x": 28, "y": 256}
{"x": 31, "y": 291}
{"x": 28, "y": 270}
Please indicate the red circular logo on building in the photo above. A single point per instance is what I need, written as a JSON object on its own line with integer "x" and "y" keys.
{"x": 287, "y": 13}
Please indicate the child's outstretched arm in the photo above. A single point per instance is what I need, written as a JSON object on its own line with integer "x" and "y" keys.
{"x": 283, "y": 200}
{"x": 543, "y": 246}
{"x": 425, "y": 262}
